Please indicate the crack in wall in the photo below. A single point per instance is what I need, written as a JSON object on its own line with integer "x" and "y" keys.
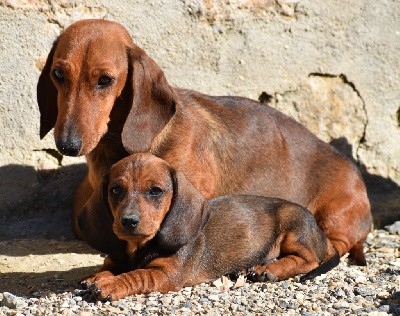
{"x": 351, "y": 84}
{"x": 55, "y": 22}
{"x": 297, "y": 98}
{"x": 398, "y": 117}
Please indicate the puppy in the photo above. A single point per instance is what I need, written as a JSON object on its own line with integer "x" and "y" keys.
{"x": 173, "y": 237}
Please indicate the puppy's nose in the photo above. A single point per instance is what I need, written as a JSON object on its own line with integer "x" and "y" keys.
{"x": 69, "y": 147}
{"x": 130, "y": 221}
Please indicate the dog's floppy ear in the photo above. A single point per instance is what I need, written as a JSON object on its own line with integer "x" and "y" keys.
{"x": 153, "y": 102}
{"x": 186, "y": 216}
{"x": 96, "y": 220}
{"x": 47, "y": 96}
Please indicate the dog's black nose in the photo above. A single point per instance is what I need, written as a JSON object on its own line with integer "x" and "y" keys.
{"x": 69, "y": 147}
{"x": 130, "y": 221}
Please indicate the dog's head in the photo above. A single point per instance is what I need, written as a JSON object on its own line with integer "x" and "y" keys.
{"x": 95, "y": 81}
{"x": 139, "y": 195}
{"x": 145, "y": 198}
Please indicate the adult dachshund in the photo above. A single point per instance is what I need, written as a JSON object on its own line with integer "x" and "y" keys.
{"x": 106, "y": 98}
{"x": 174, "y": 237}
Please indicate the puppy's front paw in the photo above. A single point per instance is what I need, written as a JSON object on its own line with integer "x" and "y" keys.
{"x": 107, "y": 289}
{"x": 87, "y": 281}
{"x": 260, "y": 274}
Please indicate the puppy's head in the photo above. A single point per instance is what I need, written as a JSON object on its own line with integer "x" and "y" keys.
{"x": 140, "y": 192}
{"x": 148, "y": 198}
{"x": 93, "y": 78}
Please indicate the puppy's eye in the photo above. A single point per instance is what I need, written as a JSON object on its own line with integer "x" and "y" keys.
{"x": 115, "y": 190}
{"x": 58, "y": 75}
{"x": 155, "y": 192}
{"x": 104, "y": 81}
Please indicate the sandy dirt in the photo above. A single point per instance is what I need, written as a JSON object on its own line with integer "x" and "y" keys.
{"x": 37, "y": 267}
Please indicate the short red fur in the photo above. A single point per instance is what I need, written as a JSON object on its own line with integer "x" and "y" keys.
{"x": 106, "y": 98}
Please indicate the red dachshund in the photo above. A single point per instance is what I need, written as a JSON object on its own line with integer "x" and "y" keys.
{"x": 174, "y": 238}
{"x": 106, "y": 98}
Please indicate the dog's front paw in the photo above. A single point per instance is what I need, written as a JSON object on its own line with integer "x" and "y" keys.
{"x": 260, "y": 274}
{"x": 87, "y": 281}
{"x": 107, "y": 289}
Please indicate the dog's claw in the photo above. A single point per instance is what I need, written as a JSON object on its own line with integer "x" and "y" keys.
{"x": 79, "y": 292}
{"x": 270, "y": 277}
{"x": 251, "y": 274}
{"x": 84, "y": 284}
{"x": 262, "y": 277}
{"x": 96, "y": 291}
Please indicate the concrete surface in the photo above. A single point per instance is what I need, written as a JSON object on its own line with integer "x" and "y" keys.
{"x": 333, "y": 65}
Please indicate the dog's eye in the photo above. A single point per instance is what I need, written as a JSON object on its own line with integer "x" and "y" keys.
{"x": 155, "y": 191}
{"x": 104, "y": 81}
{"x": 116, "y": 190}
{"x": 58, "y": 75}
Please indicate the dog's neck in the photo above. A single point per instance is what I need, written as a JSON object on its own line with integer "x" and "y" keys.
{"x": 136, "y": 243}
{"x": 110, "y": 148}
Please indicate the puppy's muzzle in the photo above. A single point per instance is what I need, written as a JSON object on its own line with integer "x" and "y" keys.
{"x": 130, "y": 222}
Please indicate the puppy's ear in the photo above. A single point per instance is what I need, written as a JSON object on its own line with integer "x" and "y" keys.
{"x": 186, "y": 216}
{"x": 47, "y": 96}
{"x": 96, "y": 220}
{"x": 153, "y": 102}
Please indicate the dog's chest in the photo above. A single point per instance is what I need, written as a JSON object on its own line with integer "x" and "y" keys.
{"x": 102, "y": 158}
{"x": 144, "y": 256}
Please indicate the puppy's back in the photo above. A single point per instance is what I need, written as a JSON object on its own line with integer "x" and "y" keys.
{"x": 246, "y": 230}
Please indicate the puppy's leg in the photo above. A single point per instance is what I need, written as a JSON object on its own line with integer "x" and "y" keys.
{"x": 296, "y": 258}
{"x": 162, "y": 275}
{"x": 82, "y": 194}
{"x": 282, "y": 269}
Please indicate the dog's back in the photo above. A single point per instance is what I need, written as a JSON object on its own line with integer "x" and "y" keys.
{"x": 256, "y": 149}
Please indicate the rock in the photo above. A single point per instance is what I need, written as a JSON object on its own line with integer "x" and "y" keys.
{"x": 13, "y": 302}
{"x": 394, "y": 228}
{"x": 213, "y": 297}
{"x": 365, "y": 291}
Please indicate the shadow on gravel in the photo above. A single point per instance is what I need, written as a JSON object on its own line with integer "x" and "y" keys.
{"x": 384, "y": 194}
{"x": 39, "y": 247}
{"x": 39, "y": 284}
{"x": 391, "y": 305}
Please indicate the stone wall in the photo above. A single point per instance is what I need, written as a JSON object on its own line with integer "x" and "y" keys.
{"x": 333, "y": 65}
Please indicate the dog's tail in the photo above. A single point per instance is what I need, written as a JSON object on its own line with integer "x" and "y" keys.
{"x": 323, "y": 268}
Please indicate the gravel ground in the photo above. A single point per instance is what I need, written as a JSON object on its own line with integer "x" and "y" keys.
{"x": 43, "y": 283}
